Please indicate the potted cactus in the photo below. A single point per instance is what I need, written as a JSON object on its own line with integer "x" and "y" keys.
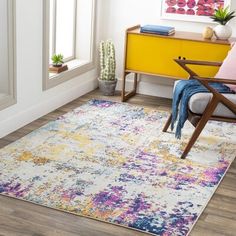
{"x": 107, "y": 79}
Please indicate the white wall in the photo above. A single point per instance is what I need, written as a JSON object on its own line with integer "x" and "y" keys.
{"x": 3, "y": 48}
{"x": 121, "y": 14}
{"x": 32, "y": 102}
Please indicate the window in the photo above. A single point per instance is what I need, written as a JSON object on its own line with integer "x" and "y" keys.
{"x": 62, "y": 28}
{"x": 68, "y": 30}
{"x": 7, "y": 62}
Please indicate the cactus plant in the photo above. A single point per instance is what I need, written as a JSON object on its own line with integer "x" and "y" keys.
{"x": 107, "y": 60}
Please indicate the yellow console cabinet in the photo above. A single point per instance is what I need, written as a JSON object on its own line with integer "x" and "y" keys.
{"x": 153, "y": 54}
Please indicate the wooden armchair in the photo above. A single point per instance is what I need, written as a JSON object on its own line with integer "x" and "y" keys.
{"x": 221, "y": 107}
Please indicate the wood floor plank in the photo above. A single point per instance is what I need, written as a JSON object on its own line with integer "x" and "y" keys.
{"x": 19, "y": 218}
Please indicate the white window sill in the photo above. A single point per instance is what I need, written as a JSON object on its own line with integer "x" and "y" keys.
{"x": 72, "y": 65}
{"x": 75, "y": 68}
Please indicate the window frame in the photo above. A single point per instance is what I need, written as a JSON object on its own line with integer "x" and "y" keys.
{"x": 83, "y": 67}
{"x": 11, "y": 96}
{"x": 54, "y": 34}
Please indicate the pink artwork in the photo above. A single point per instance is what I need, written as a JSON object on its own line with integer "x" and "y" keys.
{"x": 187, "y": 9}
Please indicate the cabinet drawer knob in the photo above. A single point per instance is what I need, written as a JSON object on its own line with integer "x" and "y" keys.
{"x": 179, "y": 57}
{"x": 184, "y": 58}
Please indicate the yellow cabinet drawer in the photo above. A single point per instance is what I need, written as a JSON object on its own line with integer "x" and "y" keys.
{"x": 153, "y": 55}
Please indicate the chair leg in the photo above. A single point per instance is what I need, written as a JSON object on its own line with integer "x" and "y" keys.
{"x": 201, "y": 124}
{"x": 167, "y": 125}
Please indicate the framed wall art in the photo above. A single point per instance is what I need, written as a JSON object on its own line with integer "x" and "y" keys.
{"x": 191, "y": 10}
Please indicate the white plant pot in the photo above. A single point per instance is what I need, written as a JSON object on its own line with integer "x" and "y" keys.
{"x": 223, "y": 32}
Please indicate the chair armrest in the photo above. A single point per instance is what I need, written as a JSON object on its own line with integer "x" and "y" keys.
{"x": 205, "y": 81}
{"x": 215, "y": 80}
{"x": 196, "y": 62}
{"x": 184, "y": 63}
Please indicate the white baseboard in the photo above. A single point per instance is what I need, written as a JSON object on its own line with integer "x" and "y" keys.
{"x": 27, "y": 116}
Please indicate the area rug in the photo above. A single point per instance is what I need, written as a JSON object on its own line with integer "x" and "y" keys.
{"x": 111, "y": 162}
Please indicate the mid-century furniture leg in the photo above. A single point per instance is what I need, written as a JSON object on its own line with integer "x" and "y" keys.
{"x": 125, "y": 96}
{"x": 167, "y": 123}
{"x": 201, "y": 124}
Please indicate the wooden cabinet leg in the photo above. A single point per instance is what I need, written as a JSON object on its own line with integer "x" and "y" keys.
{"x": 123, "y": 88}
{"x": 135, "y": 82}
{"x": 124, "y": 96}
{"x": 201, "y": 124}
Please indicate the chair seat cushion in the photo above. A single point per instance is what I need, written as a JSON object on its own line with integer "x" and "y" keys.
{"x": 199, "y": 101}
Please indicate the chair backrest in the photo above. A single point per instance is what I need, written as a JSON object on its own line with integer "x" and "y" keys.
{"x": 228, "y": 68}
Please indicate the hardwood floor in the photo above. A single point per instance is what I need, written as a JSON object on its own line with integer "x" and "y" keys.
{"x": 26, "y": 219}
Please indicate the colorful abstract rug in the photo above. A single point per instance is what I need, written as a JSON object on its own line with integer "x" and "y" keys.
{"x": 111, "y": 162}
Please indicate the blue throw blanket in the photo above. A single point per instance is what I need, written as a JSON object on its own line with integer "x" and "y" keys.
{"x": 182, "y": 93}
